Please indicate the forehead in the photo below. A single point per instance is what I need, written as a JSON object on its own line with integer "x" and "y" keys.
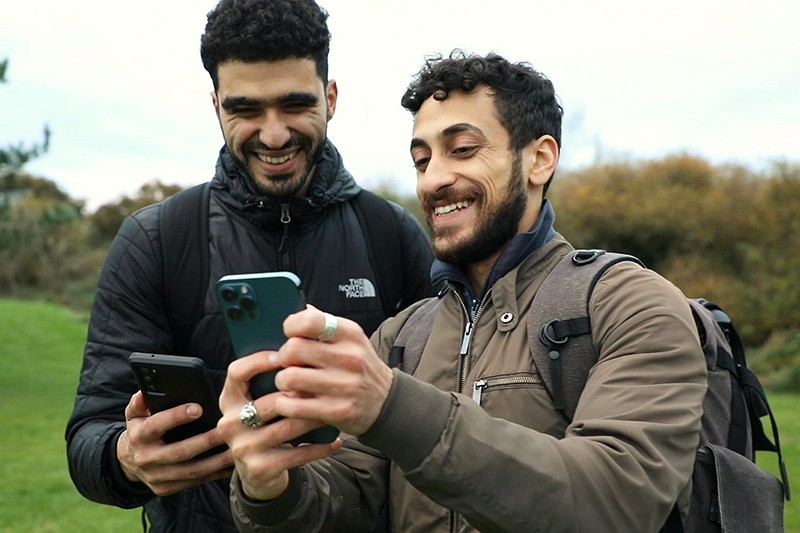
{"x": 476, "y": 109}
{"x": 273, "y": 77}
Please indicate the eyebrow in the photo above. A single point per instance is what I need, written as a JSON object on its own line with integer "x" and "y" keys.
{"x": 302, "y": 97}
{"x": 449, "y": 132}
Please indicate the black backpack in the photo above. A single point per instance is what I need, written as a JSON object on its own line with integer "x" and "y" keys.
{"x": 185, "y": 258}
{"x": 730, "y": 492}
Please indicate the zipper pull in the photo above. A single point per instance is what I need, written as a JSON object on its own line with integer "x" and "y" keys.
{"x": 465, "y": 341}
{"x": 477, "y": 390}
{"x": 285, "y": 220}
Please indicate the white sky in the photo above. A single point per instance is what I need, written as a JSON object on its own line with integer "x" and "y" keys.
{"x": 124, "y": 92}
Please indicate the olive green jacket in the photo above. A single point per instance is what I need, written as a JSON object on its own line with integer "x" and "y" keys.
{"x": 445, "y": 463}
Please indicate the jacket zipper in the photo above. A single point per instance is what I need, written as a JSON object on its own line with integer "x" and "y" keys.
{"x": 483, "y": 384}
{"x": 286, "y": 218}
{"x": 466, "y": 339}
{"x": 463, "y": 354}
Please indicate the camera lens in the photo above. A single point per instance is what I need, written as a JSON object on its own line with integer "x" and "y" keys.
{"x": 247, "y": 303}
{"x": 235, "y": 313}
{"x": 228, "y": 294}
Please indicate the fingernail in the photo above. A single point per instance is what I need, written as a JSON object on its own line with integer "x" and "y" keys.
{"x": 193, "y": 410}
{"x": 273, "y": 357}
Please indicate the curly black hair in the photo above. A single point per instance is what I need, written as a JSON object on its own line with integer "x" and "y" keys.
{"x": 525, "y": 99}
{"x": 271, "y": 30}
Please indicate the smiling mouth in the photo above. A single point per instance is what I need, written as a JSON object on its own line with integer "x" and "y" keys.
{"x": 450, "y": 208}
{"x": 276, "y": 160}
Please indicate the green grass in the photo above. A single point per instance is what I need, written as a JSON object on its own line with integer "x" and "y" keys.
{"x": 787, "y": 412}
{"x": 41, "y": 346}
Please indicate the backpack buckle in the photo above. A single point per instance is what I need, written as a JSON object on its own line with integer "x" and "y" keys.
{"x": 583, "y": 257}
{"x": 546, "y": 333}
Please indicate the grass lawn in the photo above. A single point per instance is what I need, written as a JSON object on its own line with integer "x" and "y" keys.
{"x": 42, "y": 346}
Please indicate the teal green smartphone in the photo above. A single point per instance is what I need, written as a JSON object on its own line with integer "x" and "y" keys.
{"x": 254, "y": 307}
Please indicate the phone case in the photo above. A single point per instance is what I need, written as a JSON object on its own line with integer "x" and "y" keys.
{"x": 167, "y": 381}
{"x": 254, "y": 307}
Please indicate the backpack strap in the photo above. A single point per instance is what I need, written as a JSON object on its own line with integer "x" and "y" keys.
{"x": 413, "y": 336}
{"x": 381, "y": 227}
{"x": 183, "y": 228}
{"x": 559, "y": 312}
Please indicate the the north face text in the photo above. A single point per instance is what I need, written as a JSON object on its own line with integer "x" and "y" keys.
{"x": 358, "y": 288}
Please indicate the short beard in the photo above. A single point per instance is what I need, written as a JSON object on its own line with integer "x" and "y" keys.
{"x": 497, "y": 229}
{"x": 283, "y": 185}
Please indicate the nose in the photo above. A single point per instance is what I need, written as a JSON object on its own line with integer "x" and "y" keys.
{"x": 273, "y": 130}
{"x": 436, "y": 176}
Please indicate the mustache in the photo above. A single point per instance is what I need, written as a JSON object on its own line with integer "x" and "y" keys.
{"x": 448, "y": 195}
{"x": 253, "y": 145}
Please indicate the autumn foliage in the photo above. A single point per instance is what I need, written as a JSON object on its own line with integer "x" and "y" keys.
{"x": 723, "y": 233}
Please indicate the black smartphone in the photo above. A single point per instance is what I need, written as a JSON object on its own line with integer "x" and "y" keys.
{"x": 254, "y": 307}
{"x": 167, "y": 381}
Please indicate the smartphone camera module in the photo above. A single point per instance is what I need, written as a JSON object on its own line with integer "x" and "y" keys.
{"x": 239, "y": 302}
{"x": 150, "y": 379}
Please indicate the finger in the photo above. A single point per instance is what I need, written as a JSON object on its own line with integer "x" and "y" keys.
{"x": 153, "y": 427}
{"x": 236, "y": 391}
{"x": 171, "y": 478}
{"x": 136, "y": 407}
{"x": 311, "y": 323}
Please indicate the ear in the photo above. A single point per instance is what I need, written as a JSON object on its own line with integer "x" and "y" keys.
{"x": 215, "y": 101}
{"x": 331, "y": 94}
{"x": 542, "y": 160}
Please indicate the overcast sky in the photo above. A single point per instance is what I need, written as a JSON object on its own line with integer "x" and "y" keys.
{"x": 124, "y": 92}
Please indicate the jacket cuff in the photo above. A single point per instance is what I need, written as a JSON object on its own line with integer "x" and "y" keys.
{"x": 268, "y": 512}
{"x": 411, "y": 421}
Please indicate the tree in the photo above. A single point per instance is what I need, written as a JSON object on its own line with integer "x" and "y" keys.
{"x": 107, "y": 218}
{"x": 14, "y": 156}
{"x": 40, "y": 232}
{"x": 723, "y": 233}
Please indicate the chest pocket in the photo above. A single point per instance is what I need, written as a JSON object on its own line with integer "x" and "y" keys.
{"x": 520, "y": 398}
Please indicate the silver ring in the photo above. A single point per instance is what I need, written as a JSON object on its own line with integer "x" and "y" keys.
{"x": 331, "y": 323}
{"x": 249, "y": 416}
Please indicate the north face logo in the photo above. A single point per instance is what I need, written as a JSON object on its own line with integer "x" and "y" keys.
{"x": 358, "y": 288}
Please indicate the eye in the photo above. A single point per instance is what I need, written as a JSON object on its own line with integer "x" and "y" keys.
{"x": 421, "y": 163}
{"x": 465, "y": 150}
{"x": 298, "y": 106}
{"x": 245, "y": 111}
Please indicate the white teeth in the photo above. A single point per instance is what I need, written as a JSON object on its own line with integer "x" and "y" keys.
{"x": 450, "y": 208}
{"x": 275, "y": 160}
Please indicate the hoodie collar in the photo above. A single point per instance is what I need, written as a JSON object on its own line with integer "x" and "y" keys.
{"x": 520, "y": 247}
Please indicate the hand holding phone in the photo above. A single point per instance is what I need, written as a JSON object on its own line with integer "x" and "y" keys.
{"x": 167, "y": 381}
{"x": 254, "y": 307}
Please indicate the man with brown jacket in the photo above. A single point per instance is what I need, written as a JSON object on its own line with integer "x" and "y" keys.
{"x": 485, "y": 145}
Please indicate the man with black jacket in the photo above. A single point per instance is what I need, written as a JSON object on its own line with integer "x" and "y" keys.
{"x": 280, "y": 199}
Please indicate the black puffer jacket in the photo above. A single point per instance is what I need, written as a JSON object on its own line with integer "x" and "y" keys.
{"x": 319, "y": 239}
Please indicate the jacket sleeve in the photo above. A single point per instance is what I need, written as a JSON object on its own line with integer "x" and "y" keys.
{"x": 126, "y": 317}
{"x": 346, "y": 492}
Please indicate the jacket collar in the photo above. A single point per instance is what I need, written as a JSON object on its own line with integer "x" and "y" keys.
{"x": 520, "y": 247}
{"x": 330, "y": 184}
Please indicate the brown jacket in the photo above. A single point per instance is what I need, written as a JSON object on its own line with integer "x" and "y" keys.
{"x": 512, "y": 463}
